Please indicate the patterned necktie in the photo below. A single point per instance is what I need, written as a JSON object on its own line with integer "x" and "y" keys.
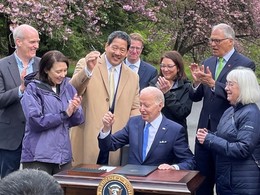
{"x": 220, "y": 66}
{"x": 145, "y": 139}
{"x": 111, "y": 86}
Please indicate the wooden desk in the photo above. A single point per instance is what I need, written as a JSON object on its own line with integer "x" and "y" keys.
{"x": 159, "y": 182}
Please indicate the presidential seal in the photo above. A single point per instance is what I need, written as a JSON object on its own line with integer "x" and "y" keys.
{"x": 115, "y": 184}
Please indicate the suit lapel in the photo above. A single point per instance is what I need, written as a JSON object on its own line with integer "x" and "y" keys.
{"x": 141, "y": 70}
{"x": 14, "y": 71}
{"x": 230, "y": 64}
{"x": 140, "y": 127}
{"x": 159, "y": 136}
{"x": 102, "y": 68}
{"x": 123, "y": 80}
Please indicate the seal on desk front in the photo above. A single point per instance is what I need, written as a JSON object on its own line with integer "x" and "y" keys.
{"x": 115, "y": 184}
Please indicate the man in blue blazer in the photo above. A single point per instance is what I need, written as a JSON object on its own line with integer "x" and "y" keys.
{"x": 167, "y": 146}
{"x": 12, "y": 70}
{"x": 209, "y": 85}
{"x": 145, "y": 71}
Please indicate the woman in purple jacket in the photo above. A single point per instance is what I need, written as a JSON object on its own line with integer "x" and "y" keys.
{"x": 51, "y": 106}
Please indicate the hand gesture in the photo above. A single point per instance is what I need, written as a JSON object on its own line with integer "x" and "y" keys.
{"x": 91, "y": 59}
{"x": 163, "y": 84}
{"x": 23, "y": 74}
{"x": 196, "y": 72}
{"x": 207, "y": 78}
{"x": 165, "y": 167}
{"x": 74, "y": 104}
{"x": 201, "y": 135}
{"x": 108, "y": 120}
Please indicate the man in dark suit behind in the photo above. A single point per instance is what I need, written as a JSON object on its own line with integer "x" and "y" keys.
{"x": 167, "y": 146}
{"x": 146, "y": 71}
{"x": 12, "y": 70}
{"x": 209, "y": 85}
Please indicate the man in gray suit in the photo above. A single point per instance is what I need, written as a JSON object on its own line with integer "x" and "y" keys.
{"x": 13, "y": 68}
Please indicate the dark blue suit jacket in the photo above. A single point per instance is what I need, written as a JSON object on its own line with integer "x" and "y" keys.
{"x": 215, "y": 102}
{"x": 12, "y": 120}
{"x": 169, "y": 145}
{"x": 146, "y": 73}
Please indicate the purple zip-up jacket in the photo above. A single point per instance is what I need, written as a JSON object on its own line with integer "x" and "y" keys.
{"x": 46, "y": 136}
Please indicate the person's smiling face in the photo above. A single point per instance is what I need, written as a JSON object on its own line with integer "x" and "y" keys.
{"x": 233, "y": 92}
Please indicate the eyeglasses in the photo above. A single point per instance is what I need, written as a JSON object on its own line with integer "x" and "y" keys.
{"x": 230, "y": 83}
{"x": 168, "y": 66}
{"x": 217, "y": 41}
{"x": 135, "y": 48}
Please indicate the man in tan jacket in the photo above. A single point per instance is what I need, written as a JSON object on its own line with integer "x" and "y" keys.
{"x": 91, "y": 79}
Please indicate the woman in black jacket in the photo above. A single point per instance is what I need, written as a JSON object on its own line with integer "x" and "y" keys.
{"x": 172, "y": 81}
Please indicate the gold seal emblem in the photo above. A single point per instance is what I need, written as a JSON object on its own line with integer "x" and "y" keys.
{"x": 115, "y": 184}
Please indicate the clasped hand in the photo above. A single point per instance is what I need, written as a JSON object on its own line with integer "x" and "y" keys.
{"x": 163, "y": 84}
{"x": 108, "y": 120}
{"x": 74, "y": 104}
{"x": 199, "y": 76}
{"x": 201, "y": 135}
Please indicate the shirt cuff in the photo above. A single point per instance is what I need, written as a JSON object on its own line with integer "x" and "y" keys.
{"x": 103, "y": 135}
{"x": 176, "y": 167}
{"x": 88, "y": 73}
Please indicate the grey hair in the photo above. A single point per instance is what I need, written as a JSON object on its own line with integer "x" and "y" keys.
{"x": 21, "y": 30}
{"x": 157, "y": 93}
{"x": 248, "y": 84}
{"x": 227, "y": 30}
{"x": 30, "y": 182}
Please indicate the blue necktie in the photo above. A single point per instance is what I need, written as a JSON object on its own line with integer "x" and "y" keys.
{"x": 145, "y": 139}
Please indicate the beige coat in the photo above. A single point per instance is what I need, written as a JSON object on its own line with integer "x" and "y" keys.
{"x": 95, "y": 92}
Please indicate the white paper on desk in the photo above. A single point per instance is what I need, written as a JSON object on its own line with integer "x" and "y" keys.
{"x": 107, "y": 168}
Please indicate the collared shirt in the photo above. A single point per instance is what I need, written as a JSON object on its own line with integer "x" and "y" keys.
{"x": 225, "y": 58}
{"x": 116, "y": 72}
{"x": 20, "y": 64}
{"x": 136, "y": 65}
{"x": 155, "y": 124}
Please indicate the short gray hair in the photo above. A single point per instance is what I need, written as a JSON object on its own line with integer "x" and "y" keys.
{"x": 228, "y": 30}
{"x": 248, "y": 84}
{"x": 157, "y": 93}
{"x": 21, "y": 30}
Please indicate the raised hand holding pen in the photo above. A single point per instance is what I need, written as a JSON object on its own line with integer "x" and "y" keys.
{"x": 91, "y": 59}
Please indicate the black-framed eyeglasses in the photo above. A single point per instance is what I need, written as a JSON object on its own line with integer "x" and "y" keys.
{"x": 217, "y": 41}
{"x": 168, "y": 66}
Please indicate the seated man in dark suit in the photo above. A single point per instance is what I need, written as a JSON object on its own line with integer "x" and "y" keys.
{"x": 165, "y": 145}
